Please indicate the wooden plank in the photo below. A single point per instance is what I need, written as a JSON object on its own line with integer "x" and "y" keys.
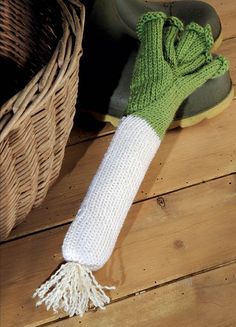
{"x": 162, "y": 239}
{"x": 185, "y": 158}
{"x": 207, "y": 299}
{"x": 227, "y": 13}
{"x": 87, "y": 129}
{"x": 228, "y": 49}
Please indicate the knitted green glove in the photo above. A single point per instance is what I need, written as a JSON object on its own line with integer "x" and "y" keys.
{"x": 172, "y": 62}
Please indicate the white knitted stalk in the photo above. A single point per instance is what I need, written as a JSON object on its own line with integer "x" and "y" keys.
{"x": 91, "y": 238}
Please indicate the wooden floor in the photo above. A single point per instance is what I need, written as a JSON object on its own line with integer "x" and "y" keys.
{"x": 175, "y": 261}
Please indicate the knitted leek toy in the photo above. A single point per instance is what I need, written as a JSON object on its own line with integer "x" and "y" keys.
{"x": 172, "y": 62}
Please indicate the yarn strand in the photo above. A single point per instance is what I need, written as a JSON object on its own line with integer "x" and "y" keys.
{"x": 72, "y": 288}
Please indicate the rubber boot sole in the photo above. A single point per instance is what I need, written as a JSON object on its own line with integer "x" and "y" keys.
{"x": 185, "y": 121}
{"x": 208, "y": 114}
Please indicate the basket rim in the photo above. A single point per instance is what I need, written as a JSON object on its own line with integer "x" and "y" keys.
{"x": 44, "y": 83}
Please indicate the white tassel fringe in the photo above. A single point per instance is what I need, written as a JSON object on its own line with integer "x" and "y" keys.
{"x": 71, "y": 288}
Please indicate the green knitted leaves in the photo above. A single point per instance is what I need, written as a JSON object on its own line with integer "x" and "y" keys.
{"x": 172, "y": 62}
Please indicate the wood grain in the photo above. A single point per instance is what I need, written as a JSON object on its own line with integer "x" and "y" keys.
{"x": 228, "y": 49}
{"x": 186, "y": 157}
{"x": 227, "y": 13}
{"x": 203, "y": 300}
{"x": 87, "y": 129}
{"x": 162, "y": 239}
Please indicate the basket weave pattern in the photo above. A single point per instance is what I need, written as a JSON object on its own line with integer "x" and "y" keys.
{"x": 35, "y": 122}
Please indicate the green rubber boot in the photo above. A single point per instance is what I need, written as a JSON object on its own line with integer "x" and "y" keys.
{"x": 110, "y": 49}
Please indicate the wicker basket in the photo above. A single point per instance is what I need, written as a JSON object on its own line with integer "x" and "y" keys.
{"x": 40, "y": 48}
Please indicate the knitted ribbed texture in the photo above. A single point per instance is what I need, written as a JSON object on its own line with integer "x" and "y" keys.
{"x": 91, "y": 238}
{"x": 172, "y": 62}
